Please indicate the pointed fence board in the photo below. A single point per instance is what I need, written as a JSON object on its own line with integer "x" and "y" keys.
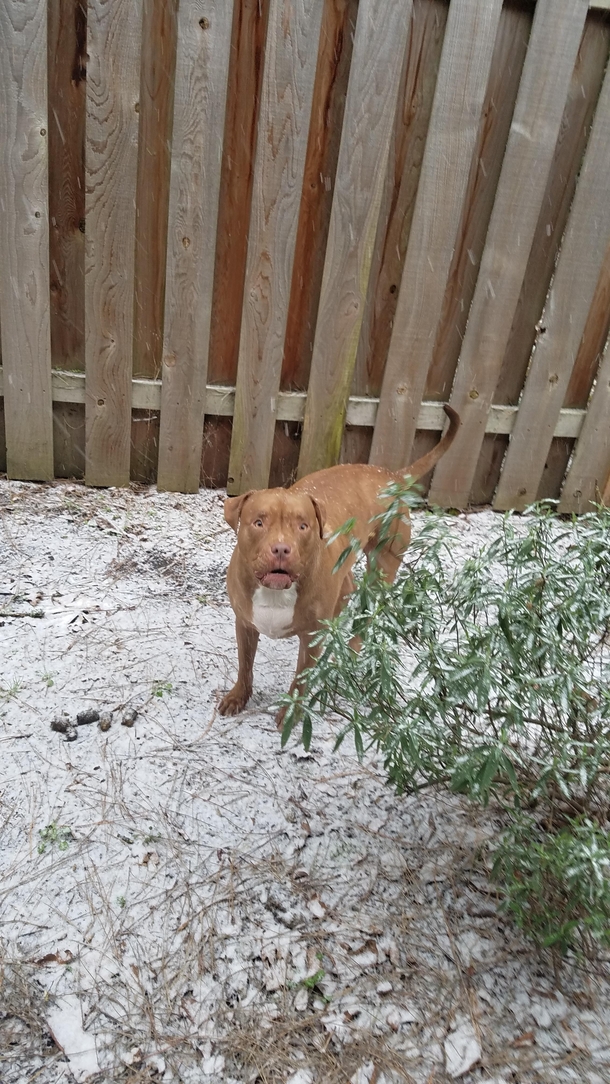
{"x": 580, "y": 263}
{"x": 24, "y": 240}
{"x": 590, "y": 468}
{"x": 290, "y": 65}
{"x": 377, "y": 60}
{"x": 454, "y": 125}
{"x": 111, "y": 152}
{"x": 202, "y": 67}
{"x": 545, "y": 83}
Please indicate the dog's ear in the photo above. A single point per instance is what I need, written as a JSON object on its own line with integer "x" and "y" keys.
{"x": 233, "y": 508}
{"x": 320, "y": 511}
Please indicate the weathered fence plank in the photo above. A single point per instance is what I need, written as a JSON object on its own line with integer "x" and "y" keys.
{"x": 327, "y": 111}
{"x": 585, "y": 85}
{"x": 502, "y": 89}
{"x": 67, "y": 64}
{"x": 454, "y": 125}
{"x": 157, "y": 73}
{"x": 159, "y": 28}
{"x": 576, "y": 276}
{"x": 414, "y": 107}
{"x": 590, "y": 468}
{"x": 204, "y": 38}
{"x": 552, "y": 50}
{"x": 67, "y": 52}
{"x": 113, "y": 83}
{"x": 237, "y": 175}
{"x": 377, "y": 60}
{"x": 24, "y": 239}
{"x": 290, "y": 64}
{"x": 416, "y": 95}
{"x": 236, "y": 181}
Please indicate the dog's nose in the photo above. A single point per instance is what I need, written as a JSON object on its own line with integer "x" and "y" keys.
{"x": 280, "y": 549}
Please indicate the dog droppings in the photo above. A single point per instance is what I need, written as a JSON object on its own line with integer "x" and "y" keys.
{"x": 71, "y": 733}
{"x": 105, "y": 721}
{"x": 61, "y": 723}
{"x": 129, "y": 717}
{"x": 84, "y": 718}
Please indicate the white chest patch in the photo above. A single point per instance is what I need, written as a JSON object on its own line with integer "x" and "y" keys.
{"x": 273, "y": 611}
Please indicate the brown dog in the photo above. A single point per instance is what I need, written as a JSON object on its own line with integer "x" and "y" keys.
{"x": 280, "y": 578}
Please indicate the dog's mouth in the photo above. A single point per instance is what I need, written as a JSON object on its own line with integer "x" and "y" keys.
{"x": 278, "y": 579}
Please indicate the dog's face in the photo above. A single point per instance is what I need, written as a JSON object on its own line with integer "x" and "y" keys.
{"x": 278, "y": 532}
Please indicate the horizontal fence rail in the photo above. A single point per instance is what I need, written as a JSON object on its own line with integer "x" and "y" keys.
{"x": 245, "y": 241}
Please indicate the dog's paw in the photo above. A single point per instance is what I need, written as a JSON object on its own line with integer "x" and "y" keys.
{"x": 234, "y": 702}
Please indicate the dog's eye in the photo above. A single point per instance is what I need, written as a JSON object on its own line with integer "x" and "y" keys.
{"x": 304, "y": 527}
{"x": 257, "y": 523}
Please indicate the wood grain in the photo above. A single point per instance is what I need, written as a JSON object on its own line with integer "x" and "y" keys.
{"x": 157, "y": 72}
{"x": 290, "y": 64}
{"x": 69, "y": 440}
{"x": 584, "y": 90}
{"x": 159, "y": 27}
{"x": 67, "y": 53}
{"x": 328, "y": 106}
{"x": 552, "y": 50}
{"x": 454, "y": 125}
{"x": 237, "y": 178}
{"x": 580, "y": 263}
{"x": 498, "y": 108}
{"x": 202, "y": 66}
{"x": 114, "y": 38}
{"x": 24, "y": 239}
{"x": 377, "y": 61}
{"x": 415, "y": 98}
{"x": 590, "y": 467}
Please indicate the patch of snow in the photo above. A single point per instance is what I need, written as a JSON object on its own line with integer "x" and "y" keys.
{"x": 462, "y": 1050}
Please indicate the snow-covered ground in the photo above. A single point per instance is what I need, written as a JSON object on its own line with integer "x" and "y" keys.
{"x": 181, "y": 900}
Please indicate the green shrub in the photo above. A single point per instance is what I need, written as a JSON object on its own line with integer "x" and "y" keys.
{"x": 490, "y": 677}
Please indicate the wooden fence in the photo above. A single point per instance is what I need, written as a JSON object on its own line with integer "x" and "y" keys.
{"x": 242, "y": 240}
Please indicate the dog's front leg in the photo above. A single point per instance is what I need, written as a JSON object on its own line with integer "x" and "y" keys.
{"x": 247, "y": 643}
{"x": 307, "y": 657}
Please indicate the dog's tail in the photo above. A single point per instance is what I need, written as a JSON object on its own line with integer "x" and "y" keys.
{"x": 427, "y": 462}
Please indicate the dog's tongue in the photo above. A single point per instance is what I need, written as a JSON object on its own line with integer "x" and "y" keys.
{"x": 279, "y": 581}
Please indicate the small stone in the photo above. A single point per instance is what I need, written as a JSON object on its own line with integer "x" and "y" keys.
{"x": 384, "y": 987}
{"x": 129, "y": 717}
{"x": 105, "y": 721}
{"x": 71, "y": 734}
{"x": 90, "y": 715}
{"x": 301, "y": 999}
{"x": 61, "y": 723}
